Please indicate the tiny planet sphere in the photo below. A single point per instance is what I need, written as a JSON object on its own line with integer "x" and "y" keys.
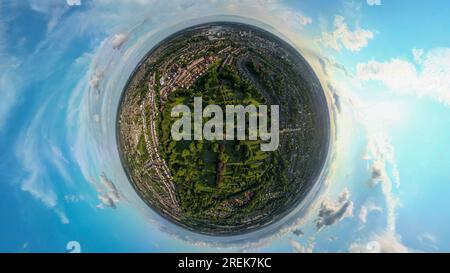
{"x": 222, "y": 186}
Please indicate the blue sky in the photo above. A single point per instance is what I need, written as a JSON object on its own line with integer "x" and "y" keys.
{"x": 383, "y": 63}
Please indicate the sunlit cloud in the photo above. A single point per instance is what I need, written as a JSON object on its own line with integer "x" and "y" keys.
{"x": 427, "y": 79}
{"x": 73, "y": 2}
{"x": 118, "y": 40}
{"x": 343, "y": 36}
{"x": 417, "y": 54}
{"x": 108, "y": 194}
{"x": 385, "y": 242}
{"x": 332, "y": 212}
{"x": 374, "y": 2}
{"x": 380, "y": 157}
{"x": 297, "y": 247}
{"x": 305, "y": 20}
{"x": 366, "y": 209}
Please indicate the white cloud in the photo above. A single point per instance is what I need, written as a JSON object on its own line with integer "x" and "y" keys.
{"x": 428, "y": 240}
{"x": 377, "y": 173}
{"x": 71, "y": 198}
{"x": 386, "y": 242}
{"x": 374, "y": 2}
{"x": 365, "y": 210}
{"x": 97, "y": 118}
{"x": 288, "y": 18}
{"x": 53, "y": 9}
{"x": 380, "y": 155}
{"x": 396, "y": 74}
{"x": 430, "y": 79}
{"x": 10, "y": 80}
{"x": 353, "y": 40}
{"x": 332, "y": 212}
{"x": 32, "y": 157}
{"x": 73, "y": 2}
{"x": 48, "y": 6}
{"x": 379, "y": 114}
{"x": 9, "y": 93}
{"x": 305, "y": 20}
{"x": 58, "y": 160}
{"x": 297, "y": 247}
{"x": 383, "y": 170}
{"x": 118, "y": 40}
{"x": 298, "y": 232}
{"x": 95, "y": 78}
{"x": 417, "y": 54}
{"x": 108, "y": 193}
